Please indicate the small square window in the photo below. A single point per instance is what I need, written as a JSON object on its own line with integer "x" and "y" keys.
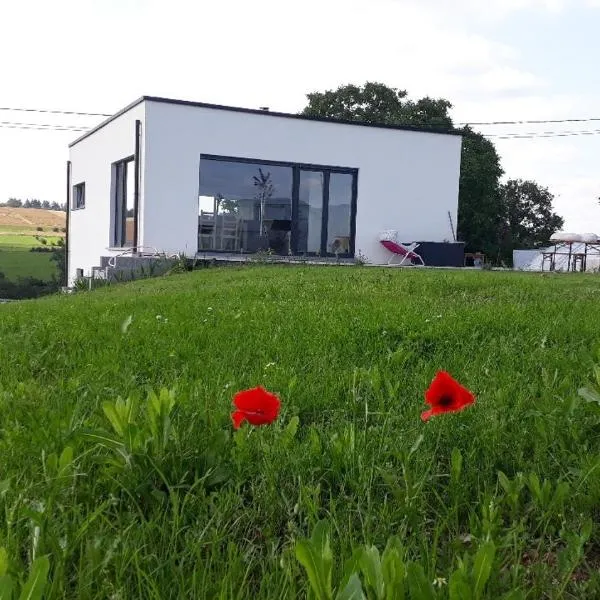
{"x": 79, "y": 196}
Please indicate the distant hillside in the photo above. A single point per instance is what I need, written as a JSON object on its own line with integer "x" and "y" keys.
{"x": 28, "y": 219}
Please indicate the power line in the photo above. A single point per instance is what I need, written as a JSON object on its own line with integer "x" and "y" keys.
{"x": 51, "y": 125}
{"x": 499, "y": 136}
{"x": 55, "y": 112}
{"x": 532, "y": 122}
{"x": 543, "y": 134}
{"x": 478, "y": 123}
{"x": 40, "y": 126}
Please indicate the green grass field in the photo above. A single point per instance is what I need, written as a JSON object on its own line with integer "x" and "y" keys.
{"x": 147, "y": 501}
{"x": 17, "y": 261}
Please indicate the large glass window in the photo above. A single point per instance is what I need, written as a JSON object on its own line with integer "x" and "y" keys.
{"x": 123, "y": 203}
{"x": 244, "y": 206}
{"x": 248, "y": 206}
{"x": 310, "y": 211}
{"x": 339, "y": 213}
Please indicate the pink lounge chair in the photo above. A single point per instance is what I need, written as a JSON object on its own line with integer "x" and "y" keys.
{"x": 390, "y": 241}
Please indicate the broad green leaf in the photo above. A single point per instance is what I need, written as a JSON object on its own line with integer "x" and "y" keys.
{"x": 561, "y": 493}
{"x": 533, "y": 483}
{"x": 586, "y": 530}
{"x": 311, "y": 561}
{"x": 126, "y": 324}
{"x": 504, "y": 482}
{"x": 597, "y": 374}
{"x": 3, "y": 562}
{"x": 370, "y": 564}
{"x": 416, "y": 445}
{"x": 52, "y": 464}
{"x": 482, "y": 566}
{"x": 456, "y": 465}
{"x": 419, "y": 586}
{"x": 352, "y": 590}
{"x": 458, "y": 587}
{"x": 351, "y": 566}
{"x": 112, "y": 413}
{"x": 66, "y": 459}
{"x": 589, "y": 395}
{"x": 316, "y": 557}
{"x": 102, "y": 438}
{"x": 7, "y": 587}
{"x": 36, "y": 582}
{"x": 291, "y": 429}
{"x": 394, "y": 570}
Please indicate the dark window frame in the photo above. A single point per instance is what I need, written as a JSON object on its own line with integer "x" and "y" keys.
{"x": 78, "y": 187}
{"x": 296, "y": 169}
{"x": 119, "y": 170}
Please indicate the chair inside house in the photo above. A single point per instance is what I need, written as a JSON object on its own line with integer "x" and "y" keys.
{"x": 390, "y": 241}
{"x": 229, "y": 237}
{"x": 207, "y": 231}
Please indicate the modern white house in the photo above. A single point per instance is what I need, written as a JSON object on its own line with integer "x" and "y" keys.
{"x": 173, "y": 176}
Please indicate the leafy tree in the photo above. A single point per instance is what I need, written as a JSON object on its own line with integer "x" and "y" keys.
{"x": 14, "y": 203}
{"x": 528, "y": 219}
{"x": 378, "y": 103}
{"x": 46, "y": 205}
{"x": 479, "y": 198}
{"x": 479, "y": 205}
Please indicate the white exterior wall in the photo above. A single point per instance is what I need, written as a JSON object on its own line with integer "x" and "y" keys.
{"x": 91, "y": 162}
{"x": 407, "y": 180}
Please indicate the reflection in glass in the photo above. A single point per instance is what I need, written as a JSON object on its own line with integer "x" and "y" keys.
{"x": 310, "y": 211}
{"x": 340, "y": 210}
{"x": 244, "y": 207}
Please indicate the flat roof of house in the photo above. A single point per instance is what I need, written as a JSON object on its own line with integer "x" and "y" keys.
{"x": 267, "y": 113}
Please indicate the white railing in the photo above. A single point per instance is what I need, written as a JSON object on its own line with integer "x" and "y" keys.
{"x": 142, "y": 251}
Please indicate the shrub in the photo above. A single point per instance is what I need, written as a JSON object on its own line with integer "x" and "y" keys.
{"x": 39, "y": 229}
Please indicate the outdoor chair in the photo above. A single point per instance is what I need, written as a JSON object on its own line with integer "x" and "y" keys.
{"x": 389, "y": 240}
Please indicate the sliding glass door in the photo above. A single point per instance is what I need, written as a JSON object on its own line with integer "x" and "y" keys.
{"x": 288, "y": 209}
{"x": 309, "y": 222}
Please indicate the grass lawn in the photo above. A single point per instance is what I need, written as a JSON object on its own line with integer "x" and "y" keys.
{"x": 25, "y": 241}
{"x": 29, "y": 229}
{"x": 497, "y": 501}
{"x": 18, "y": 262}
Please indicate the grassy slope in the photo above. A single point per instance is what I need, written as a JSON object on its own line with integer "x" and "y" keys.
{"x": 18, "y": 262}
{"x": 350, "y": 351}
{"x": 18, "y": 228}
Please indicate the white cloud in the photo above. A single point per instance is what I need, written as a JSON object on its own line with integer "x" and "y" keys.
{"x": 509, "y": 79}
{"x": 98, "y": 56}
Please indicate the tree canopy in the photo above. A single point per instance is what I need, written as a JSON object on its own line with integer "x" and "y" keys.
{"x": 482, "y": 214}
{"x": 527, "y": 219}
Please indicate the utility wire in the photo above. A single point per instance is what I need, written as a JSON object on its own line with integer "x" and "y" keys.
{"x": 500, "y": 136}
{"x": 49, "y": 125}
{"x": 40, "y": 127}
{"x": 55, "y": 112}
{"x": 532, "y": 122}
{"x": 544, "y": 134}
{"x": 478, "y": 123}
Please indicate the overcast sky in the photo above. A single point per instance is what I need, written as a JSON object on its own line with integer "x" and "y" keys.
{"x": 493, "y": 59}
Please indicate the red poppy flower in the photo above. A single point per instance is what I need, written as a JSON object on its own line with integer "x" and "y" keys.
{"x": 257, "y": 406}
{"x": 446, "y": 395}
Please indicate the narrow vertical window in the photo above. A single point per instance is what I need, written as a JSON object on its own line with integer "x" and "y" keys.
{"x": 79, "y": 196}
{"x": 125, "y": 220}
